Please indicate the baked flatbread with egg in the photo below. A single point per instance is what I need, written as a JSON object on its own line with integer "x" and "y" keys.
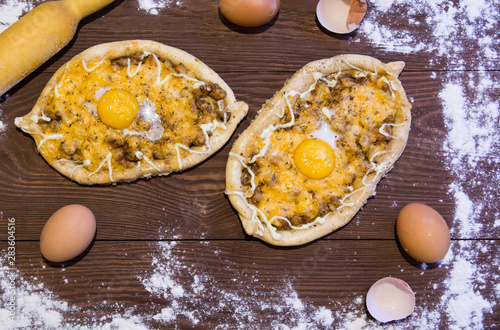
{"x": 316, "y": 151}
{"x": 124, "y": 110}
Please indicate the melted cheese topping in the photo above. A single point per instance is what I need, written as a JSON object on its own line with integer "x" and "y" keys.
{"x": 361, "y": 108}
{"x": 170, "y": 124}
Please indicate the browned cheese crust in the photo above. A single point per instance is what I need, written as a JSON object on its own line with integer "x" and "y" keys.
{"x": 187, "y": 113}
{"x": 359, "y": 100}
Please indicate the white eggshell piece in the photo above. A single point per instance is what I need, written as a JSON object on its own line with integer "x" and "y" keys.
{"x": 390, "y": 299}
{"x": 332, "y": 15}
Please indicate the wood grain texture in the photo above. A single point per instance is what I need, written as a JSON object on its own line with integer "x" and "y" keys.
{"x": 195, "y": 198}
{"x": 187, "y": 223}
{"x": 322, "y": 274}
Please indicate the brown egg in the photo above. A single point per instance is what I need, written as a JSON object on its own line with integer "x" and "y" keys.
{"x": 67, "y": 233}
{"x": 249, "y": 13}
{"x": 423, "y": 233}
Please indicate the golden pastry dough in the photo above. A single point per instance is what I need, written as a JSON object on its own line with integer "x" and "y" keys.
{"x": 358, "y": 103}
{"x": 186, "y": 113}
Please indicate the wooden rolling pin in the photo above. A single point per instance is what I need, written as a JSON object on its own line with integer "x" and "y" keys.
{"x": 38, "y": 35}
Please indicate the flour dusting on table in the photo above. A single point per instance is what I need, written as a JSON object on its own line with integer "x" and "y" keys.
{"x": 451, "y": 29}
{"x": 471, "y": 149}
{"x": 35, "y": 305}
{"x": 3, "y": 125}
{"x": 154, "y": 7}
{"x": 11, "y": 11}
{"x": 250, "y": 302}
{"x": 469, "y": 99}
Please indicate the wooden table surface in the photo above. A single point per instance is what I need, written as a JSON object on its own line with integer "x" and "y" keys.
{"x": 171, "y": 252}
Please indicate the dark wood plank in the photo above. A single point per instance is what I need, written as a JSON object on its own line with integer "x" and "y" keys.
{"x": 238, "y": 283}
{"x": 192, "y": 203}
{"x": 182, "y": 228}
{"x": 285, "y": 44}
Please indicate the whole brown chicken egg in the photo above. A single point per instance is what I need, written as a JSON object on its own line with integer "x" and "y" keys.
{"x": 423, "y": 233}
{"x": 67, "y": 233}
{"x": 249, "y": 13}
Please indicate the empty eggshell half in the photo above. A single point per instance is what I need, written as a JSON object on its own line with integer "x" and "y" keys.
{"x": 341, "y": 16}
{"x": 390, "y": 299}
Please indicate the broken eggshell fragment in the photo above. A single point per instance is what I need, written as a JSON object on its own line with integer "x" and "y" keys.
{"x": 390, "y": 299}
{"x": 341, "y": 16}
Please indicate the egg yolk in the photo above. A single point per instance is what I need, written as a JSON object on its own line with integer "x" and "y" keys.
{"x": 117, "y": 108}
{"x": 314, "y": 158}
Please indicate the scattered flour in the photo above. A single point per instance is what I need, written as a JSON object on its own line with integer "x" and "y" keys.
{"x": 446, "y": 22}
{"x": 194, "y": 300}
{"x": 471, "y": 148}
{"x": 39, "y": 308}
{"x": 187, "y": 293}
{"x": 3, "y": 126}
{"x": 191, "y": 300}
{"x": 11, "y": 11}
{"x": 154, "y": 7}
{"x": 36, "y": 306}
{"x": 383, "y": 5}
{"x": 472, "y": 145}
{"x": 468, "y": 285}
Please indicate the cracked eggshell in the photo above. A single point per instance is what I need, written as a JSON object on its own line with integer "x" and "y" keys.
{"x": 341, "y": 16}
{"x": 390, "y": 299}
